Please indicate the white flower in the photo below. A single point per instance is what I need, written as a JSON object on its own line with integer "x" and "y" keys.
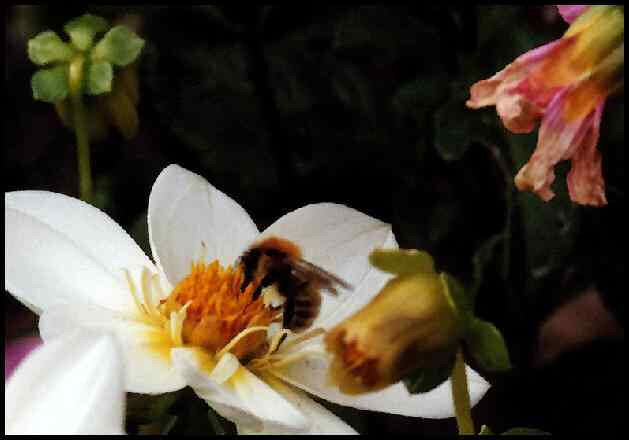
{"x": 70, "y": 262}
{"x": 72, "y": 385}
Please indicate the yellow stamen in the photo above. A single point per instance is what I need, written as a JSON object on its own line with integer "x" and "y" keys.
{"x": 308, "y": 335}
{"x": 277, "y": 361}
{"x": 147, "y": 311}
{"x": 225, "y": 368}
{"x": 272, "y": 359}
{"x": 134, "y": 293}
{"x": 277, "y": 339}
{"x": 240, "y": 335}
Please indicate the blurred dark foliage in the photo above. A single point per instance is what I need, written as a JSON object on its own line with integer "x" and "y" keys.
{"x": 280, "y": 106}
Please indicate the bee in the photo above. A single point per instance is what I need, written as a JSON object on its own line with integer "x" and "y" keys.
{"x": 277, "y": 263}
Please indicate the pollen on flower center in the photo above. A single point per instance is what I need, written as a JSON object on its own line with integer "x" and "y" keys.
{"x": 218, "y": 310}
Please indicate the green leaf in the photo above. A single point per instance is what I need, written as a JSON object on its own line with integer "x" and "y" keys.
{"x": 484, "y": 430}
{"x": 50, "y": 85}
{"x": 525, "y": 431}
{"x": 119, "y": 46}
{"x": 147, "y": 408}
{"x": 456, "y": 127}
{"x": 82, "y": 29}
{"x": 487, "y": 346}
{"x": 47, "y": 47}
{"x": 426, "y": 379}
{"x": 402, "y": 261}
{"x": 481, "y": 259}
{"x": 168, "y": 424}
{"x": 160, "y": 426}
{"x": 99, "y": 77}
{"x": 550, "y": 229}
{"x": 215, "y": 421}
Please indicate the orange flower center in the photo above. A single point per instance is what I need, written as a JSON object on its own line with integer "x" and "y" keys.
{"x": 361, "y": 367}
{"x": 218, "y": 310}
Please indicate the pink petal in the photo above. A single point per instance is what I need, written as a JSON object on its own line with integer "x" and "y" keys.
{"x": 571, "y": 12}
{"x": 518, "y": 92}
{"x": 585, "y": 179}
{"x": 16, "y": 350}
{"x": 561, "y": 139}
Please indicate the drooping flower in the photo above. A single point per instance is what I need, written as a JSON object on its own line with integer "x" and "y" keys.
{"x": 182, "y": 321}
{"x": 72, "y": 385}
{"x": 411, "y": 323}
{"x": 565, "y": 83}
{"x": 413, "y": 329}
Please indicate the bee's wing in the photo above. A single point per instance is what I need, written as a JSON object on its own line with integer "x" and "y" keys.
{"x": 326, "y": 280}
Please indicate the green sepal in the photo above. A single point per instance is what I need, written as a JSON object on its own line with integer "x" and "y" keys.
{"x": 485, "y": 342}
{"x": 161, "y": 426}
{"x": 525, "y": 431}
{"x": 484, "y": 430}
{"x": 402, "y": 261}
{"x": 119, "y": 46}
{"x": 46, "y": 47}
{"x": 83, "y": 29}
{"x": 487, "y": 345}
{"x": 426, "y": 379}
{"x": 460, "y": 296}
{"x": 99, "y": 77}
{"x": 50, "y": 85}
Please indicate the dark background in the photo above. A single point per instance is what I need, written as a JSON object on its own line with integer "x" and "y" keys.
{"x": 282, "y": 106}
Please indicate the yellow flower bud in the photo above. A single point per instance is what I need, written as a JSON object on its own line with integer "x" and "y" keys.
{"x": 412, "y": 323}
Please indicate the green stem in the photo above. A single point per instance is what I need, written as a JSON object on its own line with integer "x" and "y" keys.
{"x": 461, "y": 396}
{"x": 81, "y": 129}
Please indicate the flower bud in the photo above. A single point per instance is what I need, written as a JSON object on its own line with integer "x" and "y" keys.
{"x": 412, "y": 323}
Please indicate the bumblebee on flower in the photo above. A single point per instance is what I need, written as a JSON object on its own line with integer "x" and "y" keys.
{"x": 196, "y": 316}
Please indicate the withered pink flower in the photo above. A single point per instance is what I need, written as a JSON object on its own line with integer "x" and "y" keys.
{"x": 565, "y": 84}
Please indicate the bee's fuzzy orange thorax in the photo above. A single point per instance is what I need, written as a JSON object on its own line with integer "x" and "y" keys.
{"x": 281, "y": 244}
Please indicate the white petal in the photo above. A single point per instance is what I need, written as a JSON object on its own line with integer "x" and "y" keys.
{"x": 336, "y": 309}
{"x": 243, "y": 399}
{"x": 44, "y": 266}
{"x": 72, "y": 385}
{"x": 310, "y": 374}
{"x": 145, "y": 349}
{"x": 89, "y": 228}
{"x": 188, "y": 217}
{"x": 322, "y": 421}
{"x": 338, "y": 239}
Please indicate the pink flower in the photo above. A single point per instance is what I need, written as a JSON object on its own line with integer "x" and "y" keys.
{"x": 564, "y": 83}
{"x": 16, "y": 350}
{"x": 571, "y": 12}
